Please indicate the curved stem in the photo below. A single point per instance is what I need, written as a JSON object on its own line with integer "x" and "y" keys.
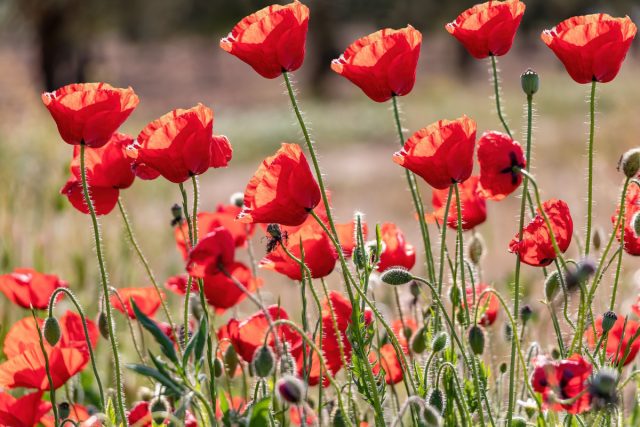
{"x": 52, "y": 390}
{"x": 105, "y": 290}
{"x": 592, "y": 129}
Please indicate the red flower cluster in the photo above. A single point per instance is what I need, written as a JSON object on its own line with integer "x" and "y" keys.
{"x": 26, "y": 411}
{"x": 563, "y": 379}
{"x": 27, "y": 288}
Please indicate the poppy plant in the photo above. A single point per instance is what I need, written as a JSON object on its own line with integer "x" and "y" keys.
{"x": 108, "y": 171}
{"x": 26, "y": 411}
{"x": 488, "y": 29}
{"x": 146, "y": 299}
{"x": 564, "y": 379}
{"x": 282, "y": 191}
{"x": 632, "y": 207}
{"x": 472, "y": 205}
{"x": 488, "y": 305}
{"x": 441, "y": 153}
{"x": 382, "y": 64}
{"x": 89, "y": 113}
{"x": 396, "y": 251}
{"x": 536, "y": 248}
{"x": 27, "y": 288}
{"x": 618, "y": 340}
{"x": 180, "y": 144}
{"x": 271, "y": 40}
{"x": 591, "y": 47}
{"x": 499, "y": 156}
{"x": 213, "y": 254}
{"x": 221, "y": 291}
{"x": 320, "y": 255}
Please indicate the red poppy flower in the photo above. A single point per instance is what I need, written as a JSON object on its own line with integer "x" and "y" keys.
{"x": 441, "y": 153}
{"x": 283, "y": 189}
{"x": 488, "y": 305}
{"x": 89, "y": 113}
{"x": 632, "y": 207}
{"x": 498, "y": 154}
{"x": 181, "y": 144}
{"x": 109, "y": 169}
{"x": 591, "y": 47}
{"x": 221, "y": 291}
{"x": 311, "y": 375}
{"x": 319, "y": 254}
{"x": 224, "y": 216}
{"x": 272, "y": 40}
{"x": 341, "y": 308}
{"x": 536, "y": 248}
{"x": 398, "y": 329}
{"x": 26, "y": 411}
{"x": 396, "y": 252}
{"x": 488, "y": 28}
{"x": 296, "y": 412}
{"x": 388, "y": 360}
{"x": 140, "y": 415}
{"x": 146, "y": 299}
{"x": 615, "y": 349}
{"x": 212, "y": 254}
{"x": 382, "y": 64}
{"x": 566, "y": 379}
{"x": 178, "y": 284}
{"x": 472, "y": 205}
{"x": 26, "y": 287}
{"x": 25, "y": 366}
{"x": 347, "y": 236}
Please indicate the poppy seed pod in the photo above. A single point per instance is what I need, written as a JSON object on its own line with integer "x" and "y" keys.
{"x": 263, "y": 362}
{"x": 51, "y": 330}
{"x": 608, "y": 321}
{"x": 290, "y": 389}
{"x": 530, "y": 82}
{"x": 396, "y": 276}
{"x": 476, "y": 339}
{"x": 440, "y": 342}
{"x": 630, "y": 163}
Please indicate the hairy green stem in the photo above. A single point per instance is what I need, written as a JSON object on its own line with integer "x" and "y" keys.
{"x": 592, "y": 131}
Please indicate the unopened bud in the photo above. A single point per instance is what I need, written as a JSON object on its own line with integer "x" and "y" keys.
{"x": 288, "y": 365}
{"x": 217, "y": 367}
{"x": 526, "y": 313}
{"x": 476, "y": 248}
{"x": 338, "y": 418}
{"x": 419, "y": 341}
{"x": 145, "y": 394}
{"x": 176, "y": 214}
{"x": 552, "y": 285}
{"x": 415, "y": 289}
{"x": 231, "y": 359}
{"x": 555, "y": 354}
{"x": 635, "y": 223}
{"x": 237, "y": 199}
{"x": 608, "y": 320}
{"x": 454, "y": 295}
{"x": 583, "y": 271}
{"x": 396, "y": 276}
{"x": 530, "y": 82}
{"x": 64, "y": 410}
{"x": 436, "y": 399}
{"x": 476, "y": 339}
{"x": 290, "y": 389}
{"x": 503, "y": 368}
{"x": 51, "y": 330}
{"x": 440, "y": 342}
{"x": 630, "y": 163}
{"x": 263, "y": 362}
{"x": 597, "y": 238}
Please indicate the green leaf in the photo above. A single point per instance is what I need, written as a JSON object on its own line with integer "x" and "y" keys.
{"x": 110, "y": 412}
{"x": 197, "y": 340}
{"x": 147, "y": 371}
{"x": 260, "y": 413}
{"x": 166, "y": 345}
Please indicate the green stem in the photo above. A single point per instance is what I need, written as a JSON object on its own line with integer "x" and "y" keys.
{"x": 52, "y": 390}
{"x": 443, "y": 243}
{"x": 592, "y": 130}
{"x": 187, "y": 295}
{"x": 463, "y": 285}
{"x": 105, "y": 290}
{"x": 496, "y": 89}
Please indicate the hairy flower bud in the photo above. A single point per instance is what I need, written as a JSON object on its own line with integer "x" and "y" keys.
{"x": 440, "y": 342}
{"x": 290, "y": 389}
{"x": 635, "y": 224}
{"x": 530, "y": 82}
{"x": 503, "y": 368}
{"x": 526, "y": 313}
{"x": 51, "y": 330}
{"x": 476, "y": 248}
{"x": 231, "y": 359}
{"x": 263, "y": 362}
{"x": 608, "y": 320}
{"x": 217, "y": 367}
{"x": 396, "y": 276}
{"x": 103, "y": 325}
{"x": 476, "y": 339}
{"x": 518, "y": 422}
{"x": 338, "y": 418}
{"x": 419, "y": 341}
{"x": 596, "y": 239}
{"x": 629, "y": 163}
{"x": 437, "y": 399}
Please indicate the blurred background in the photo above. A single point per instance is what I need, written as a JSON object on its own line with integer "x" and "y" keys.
{"x": 167, "y": 50}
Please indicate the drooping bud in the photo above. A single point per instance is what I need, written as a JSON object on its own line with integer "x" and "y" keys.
{"x": 530, "y": 82}
{"x": 603, "y": 388}
{"x": 176, "y": 215}
{"x": 503, "y": 368}
{"x": 396, "y": 276}
{"x": 414, "y": 288}
{"x": 629, "y": 163}
{"x": 597, "y": 238}
{"x": 476, "y": 339}
{"x": 526, "y": 313}
{"x": 263, "y": 362}
{"x": 476, "y": 248}
{"x": 145, "y": 394}
{"x": 440, "y": 342}
{"x": 580, "y": 274}
{"x": 431, "y": 416}
{"x": 508, "y": 332}
{"x": 555, "y": 354}
{"x": 338, "y": 418}
{"x": 217, "y": 367}
{"x": 608, "y": 320}
{"x": 230, "y": 359}
{"x": 237, "y": 199}
{"x": 552, "y": 285}
{"x": 64, "y": 410}
{"x": 454, "y": 295}
{"x": 419, "y": 341}
{"x": 436, "y": 399}
{"x": 159, "y": 405}
{"x": 290, "y": 389}
{"x": 51, "y": 330}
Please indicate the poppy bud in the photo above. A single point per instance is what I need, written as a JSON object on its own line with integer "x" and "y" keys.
{"x": 415, "y": 289}
{"x": 552, "y": 285}
{"x": 476, "y": 339}
{"x": 608, "y": 320}
{"x": 396, "y": 276}
{"x": 338, "y": 418}
{"x": 454, "y": 295}
{"x": 518, "y": 422}
{"x": 290, "y": 389}
{"x": 580, "y": 274}
{"x": 526, "y": 313}
{"x": 231, "y": 359}
{"x": 508, "y": 332}
{"x": 419, "y": 341}
{"x": 603, "y": 388}
{"x": 51, "y": 330}
{"x": 217, "y": 367}
{"x": 436, "y": 399}
{"x": 530, "y": 82}
{"x": 237, "y": 199}
{"x": 64, "y": 410}
{"x": 635, "y": 223}
{"x": 630, "y": 163}
{"x": 555, "y": 354}
{"x": 263, "y": 362}
{"x": 158, "y": 404}
{"x": 440, "y": 342}
{"x": 503, "y": 368}
{"x": 597, "y": 237}
{"x": 476, "y": 248}
{"x": 431, "y": 417}
{"x": 176, "y": 214}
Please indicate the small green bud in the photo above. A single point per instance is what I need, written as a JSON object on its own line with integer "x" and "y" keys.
{"x": 64, "y": 410}
{"x": 338, "y": 418}
{"x": 51, "y": 330}
{"x": 552, "y": 285}
{"x": 431, "y": 416}
{"x": 597, "y": 238}
{"x": 518, "y": 422}
{"x": 476, "y": 248}
{"x": 290, "y": 389}
{"x": 635, "y": 223}
{"x": 630, "y": 163}
{"x": 231, "y": 359}
{"x": 103, "y": 325}
{"x": 288, "y": 365}
{"x": 508, "y": 332}
{"x": 415, "y": 289}
{"x": 176, "y": 215}
{"x": 396, "y": 276}
{"x": 263, "y": 362}
{"x": 555, "y": 354}
{"x": 419, "y": 341}
{"x": 436, "y": 399}
{"x": 476, "y": 339}
{"x": 440, "y": 342}
{"x": 526, "y": 313}
{"x": 530, "y": 82}
{"x": 503, "y": 368}
{"x": 217, "y": 367}
{"x": 237, "y": 199}
{"x": 454, "y": 295}
{"x": 608, "y": 320}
